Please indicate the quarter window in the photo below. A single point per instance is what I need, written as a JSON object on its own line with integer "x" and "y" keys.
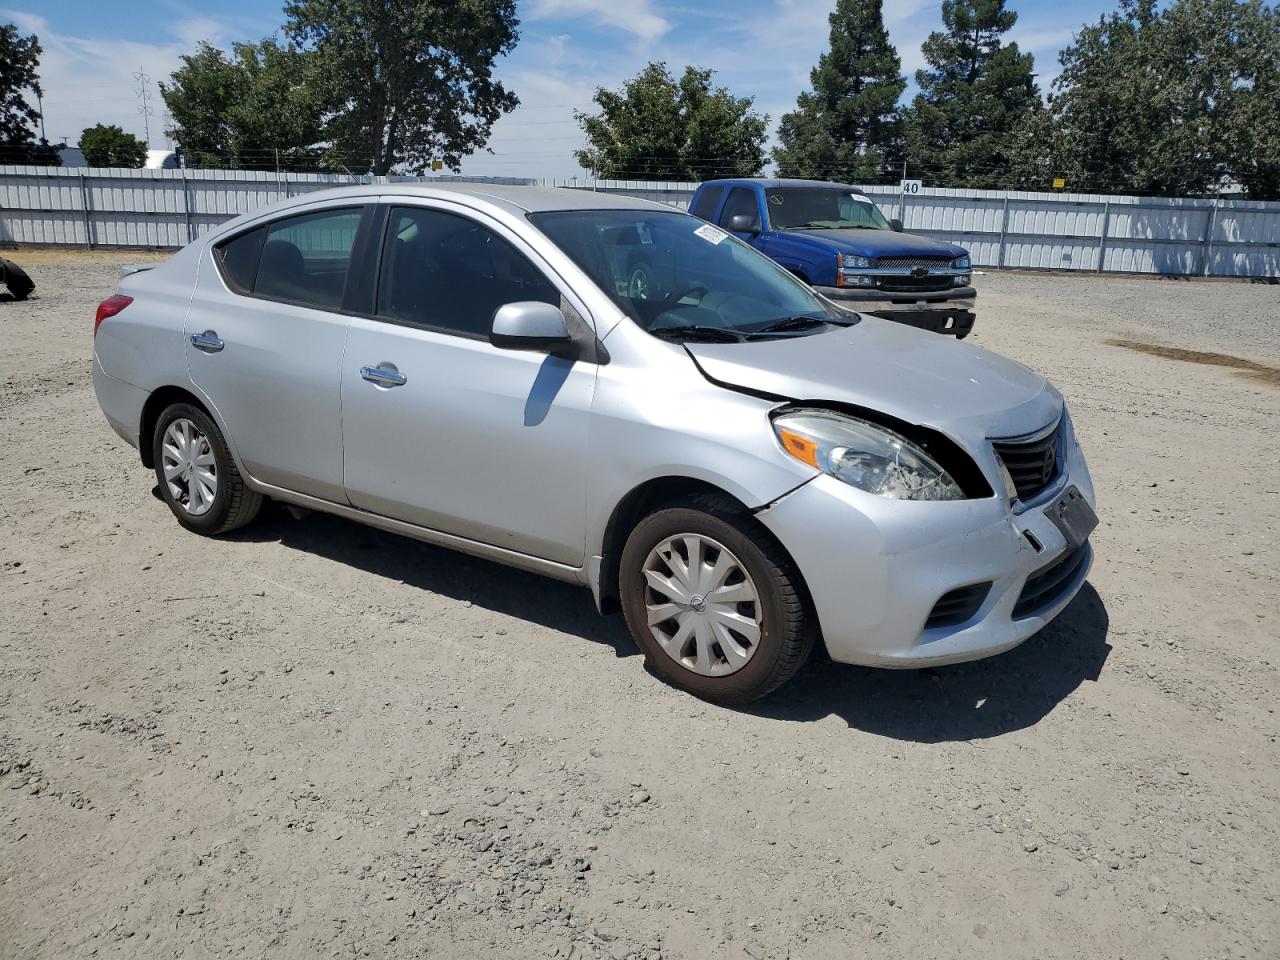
{"x": 239, "y": 259}
{"x": 449, "y": 273}
{"x": 305, "y": 259}
{"x": 741, "y": 200}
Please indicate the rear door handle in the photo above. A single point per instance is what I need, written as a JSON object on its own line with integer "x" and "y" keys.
{"x": 384, "y": 375}
{"x": 209, "y": 341}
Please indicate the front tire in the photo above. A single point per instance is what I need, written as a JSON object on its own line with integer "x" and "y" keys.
{"x": 198, "y": 477}
{"x": 713, "y": 602}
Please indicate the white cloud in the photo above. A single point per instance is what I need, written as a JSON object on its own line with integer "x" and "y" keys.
{"x": 87, "y": 80}
{"x": 637, "y": 17}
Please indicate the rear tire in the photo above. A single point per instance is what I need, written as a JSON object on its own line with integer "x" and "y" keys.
{"x": 730, "y": 650}
{"x": 198, "y": 476}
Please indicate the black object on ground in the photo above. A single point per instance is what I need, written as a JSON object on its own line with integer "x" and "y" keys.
{"x": 16, "y": 279}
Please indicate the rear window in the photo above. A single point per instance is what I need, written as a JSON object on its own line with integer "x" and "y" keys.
{"x": 704, "y": 206}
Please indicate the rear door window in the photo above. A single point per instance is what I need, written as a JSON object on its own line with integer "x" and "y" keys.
{"x": 305, "y": 259}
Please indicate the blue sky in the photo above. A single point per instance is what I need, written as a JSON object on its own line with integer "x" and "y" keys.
{"x": 759, "y": 48}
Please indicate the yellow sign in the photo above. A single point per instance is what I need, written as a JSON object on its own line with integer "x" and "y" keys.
{"x": 437, "y": 165}
{"x": 1059, "y": 182}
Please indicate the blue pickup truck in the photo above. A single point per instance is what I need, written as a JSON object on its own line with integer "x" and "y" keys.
{"x": 833, "y": 237}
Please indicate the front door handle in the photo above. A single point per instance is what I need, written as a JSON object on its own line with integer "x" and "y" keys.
{"x": 384, "y": 375}
{"x": 209, "y": 341}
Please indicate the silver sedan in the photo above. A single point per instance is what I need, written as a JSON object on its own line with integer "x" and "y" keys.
{"x": 609, "y": 392}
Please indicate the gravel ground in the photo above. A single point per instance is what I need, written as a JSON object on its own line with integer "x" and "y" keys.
{"x": 316, "y": 740}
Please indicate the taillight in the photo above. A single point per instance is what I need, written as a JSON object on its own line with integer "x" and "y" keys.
{"x": 109, "y": 308}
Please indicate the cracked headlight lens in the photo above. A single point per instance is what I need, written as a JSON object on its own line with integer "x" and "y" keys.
{"x": 864, "y": 455}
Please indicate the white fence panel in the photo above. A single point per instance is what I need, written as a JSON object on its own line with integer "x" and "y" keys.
{"x": 1040, "y": 231}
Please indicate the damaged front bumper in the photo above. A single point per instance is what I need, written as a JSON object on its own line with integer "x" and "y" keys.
{"x": 877, "y": 569}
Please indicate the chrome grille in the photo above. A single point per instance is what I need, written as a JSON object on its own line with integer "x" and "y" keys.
{"x": 1032, "y": 464}
{"x": 930, "y": 263}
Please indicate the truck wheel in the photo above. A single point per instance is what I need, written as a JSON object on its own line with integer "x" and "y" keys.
{"x": 713, "y": 602}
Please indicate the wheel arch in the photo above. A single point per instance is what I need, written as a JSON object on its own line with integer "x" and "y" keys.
{"x": 650, "y": 496}
{"x": 160, "y": 399}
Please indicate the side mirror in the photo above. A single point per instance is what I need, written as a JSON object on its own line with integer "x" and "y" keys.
{"x": 895, "y": 225}
{"x": 744, "y": 223}
{"x": 529, "y": 325}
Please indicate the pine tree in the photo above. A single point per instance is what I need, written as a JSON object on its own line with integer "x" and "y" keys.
{"x": 976, "y": 94}
{"x": 847, "y": 127}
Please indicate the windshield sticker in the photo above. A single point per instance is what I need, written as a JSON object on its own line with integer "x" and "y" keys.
{"x": 710, "y": 234}
{"x": 776, "y": 199}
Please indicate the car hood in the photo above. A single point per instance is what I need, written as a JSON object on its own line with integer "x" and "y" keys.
{"x": 922, "y": 378}
{"x": 879, "y": 243}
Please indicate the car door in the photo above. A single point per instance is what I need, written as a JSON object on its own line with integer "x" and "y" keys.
{"x": 265, "y": 338}
{"x": 743, "y": 200}
{"x": 444, "y": 430}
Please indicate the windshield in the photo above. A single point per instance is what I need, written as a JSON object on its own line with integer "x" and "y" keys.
{"x": 822, "y": 208}
{"x": 671, "y": 271}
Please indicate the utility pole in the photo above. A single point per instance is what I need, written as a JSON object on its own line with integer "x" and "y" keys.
{"x": 40, "y": 107}
{"x": 144, "y": 103}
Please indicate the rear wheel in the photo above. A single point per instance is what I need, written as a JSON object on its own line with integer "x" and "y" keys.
{"x": 197, "y": 475}
{"x": 713, "y": 602}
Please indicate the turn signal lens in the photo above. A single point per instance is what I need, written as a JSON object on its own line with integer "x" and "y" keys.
{"x": 109, "y": 308}
{"x": 802, "y": 448}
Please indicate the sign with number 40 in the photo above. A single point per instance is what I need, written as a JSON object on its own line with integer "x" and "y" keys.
{"x": 911, "y": 186}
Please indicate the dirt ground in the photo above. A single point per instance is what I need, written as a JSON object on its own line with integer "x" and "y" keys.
{"x": 316, "y": 740}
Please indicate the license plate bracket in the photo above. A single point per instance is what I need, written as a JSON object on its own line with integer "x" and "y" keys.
{"x": 1073, "y": 517}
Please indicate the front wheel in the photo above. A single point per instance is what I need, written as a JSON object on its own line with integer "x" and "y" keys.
{"x": 714, "y": 603}
{"x": 198, "y": 477}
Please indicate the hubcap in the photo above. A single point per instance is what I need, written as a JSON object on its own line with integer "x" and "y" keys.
{"x": 703, "y": 608}
{"x": 190, "y": 469}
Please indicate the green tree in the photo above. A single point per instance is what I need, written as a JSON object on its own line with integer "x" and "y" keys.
{"x": 1247, "y": 125}
{"x": 19, "y": 78}
{"x": 658, "y": 127}
{"x": 977, "y": 92}
{"x": 104, "y": 146}
{"x": 406, "y": 82}
{"x": 848, "y": 126}
{"x": 253, "y": 110}
{"x": 1165, "y": 103}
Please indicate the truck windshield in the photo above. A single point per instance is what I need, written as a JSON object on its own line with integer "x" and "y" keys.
{"x": 822, "y": 208}
{"x": 675, "y": 275}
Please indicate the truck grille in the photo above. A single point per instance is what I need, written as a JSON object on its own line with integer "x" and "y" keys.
{"x": 1032, "y": 465}
{"x": 909, "y": 284}
{"x": 1045, "y": 587}
{"x": 930, "y": 263}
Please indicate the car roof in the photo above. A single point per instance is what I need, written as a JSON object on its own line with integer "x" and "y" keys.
{"x": 514, "y": 198}
{"x": 769, "y": 182}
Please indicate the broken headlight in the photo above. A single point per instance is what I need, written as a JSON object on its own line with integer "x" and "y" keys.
{"x": 864, "y": 455}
